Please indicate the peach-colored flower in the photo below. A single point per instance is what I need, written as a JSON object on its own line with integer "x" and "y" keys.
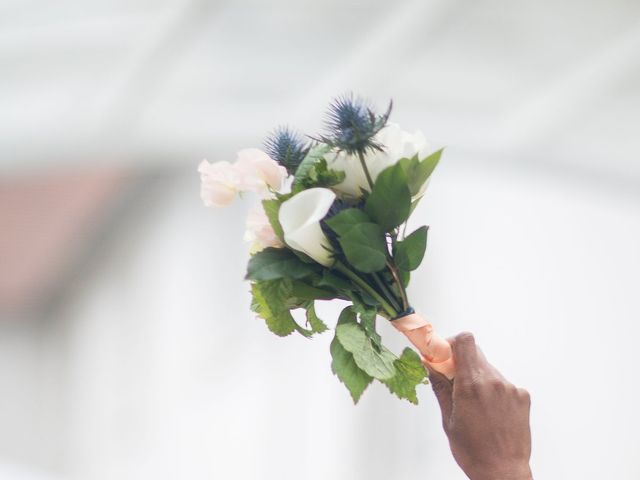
{"x": 219, "y": 183}
{"x": 259, "y": 172}
{"x": 259, "y": 230}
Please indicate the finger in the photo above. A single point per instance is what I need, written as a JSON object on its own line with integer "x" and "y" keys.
{"x": 443, "y": 388}
{"x": 465, "y": 354}
{"x": 483, "y": 363}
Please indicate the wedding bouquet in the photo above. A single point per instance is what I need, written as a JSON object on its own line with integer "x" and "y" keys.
{"x": 332, "y": 225}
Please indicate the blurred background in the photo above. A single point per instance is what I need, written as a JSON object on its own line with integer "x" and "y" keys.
{"x": 127, "y": 348}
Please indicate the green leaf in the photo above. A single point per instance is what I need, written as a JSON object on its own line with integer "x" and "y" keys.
{"x": 272, "y": 263}
{"x": 269, "y": 303}
{"x": 405, "y": 277}
{"x": 315, "y": 154}
{"x": 419, "y": 171}
{"x": 367, "y": 316}
{"x": 319, "y": 175}
{"x": 409, "y": 374}
{"x": 362, "y": 241}
{"x": 427, "y": 166}
{"x": 271, "y": 209}
{"x": 345, "y": 220}
{"x": 301, "y": 292}
{"x": 345, "y": 368}
{"x": 317, "y": 325}
{"x": 390, "y": 201}
{"x": 334, "y": 281}
{"x": 377, "y": 363}
{"x": 365, "y": 247}
{"x": 408, "y": 253}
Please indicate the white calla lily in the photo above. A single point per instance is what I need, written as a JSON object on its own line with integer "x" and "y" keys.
{"x": 397, "y": 144}
{"x": 300, "y": 218}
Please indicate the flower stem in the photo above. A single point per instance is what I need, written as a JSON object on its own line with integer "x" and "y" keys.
{"x": 386, "y": 291}
{"x": 366, "y": 170}
{"x": 403, "y": 293}
{"x": 366, "y": 287}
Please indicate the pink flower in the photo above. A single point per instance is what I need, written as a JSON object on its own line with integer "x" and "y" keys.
{"x": 259, "y": 172}
{"x": 219, "y": 183}
{"x": 259, "y": 230}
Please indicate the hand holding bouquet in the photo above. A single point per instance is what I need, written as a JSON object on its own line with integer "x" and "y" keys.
{"x": 333, "y": 226}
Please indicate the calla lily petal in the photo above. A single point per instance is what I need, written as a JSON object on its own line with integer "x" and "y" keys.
{"x": 300, "y": 218}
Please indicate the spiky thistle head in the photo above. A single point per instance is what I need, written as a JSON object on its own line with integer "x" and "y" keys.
{"x": 286, "y": 147}
{"x": 352, "y": 124}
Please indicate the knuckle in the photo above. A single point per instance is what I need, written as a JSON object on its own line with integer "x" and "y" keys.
{"x": 497, "y": 384}
{"x": 524, "y": 395}
{"x": 465, "y": 338}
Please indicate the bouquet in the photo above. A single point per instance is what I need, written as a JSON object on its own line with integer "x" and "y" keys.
{"x": 332, "y": 224}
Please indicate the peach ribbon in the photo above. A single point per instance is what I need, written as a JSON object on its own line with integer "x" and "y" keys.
{"x": 435, "y": 350}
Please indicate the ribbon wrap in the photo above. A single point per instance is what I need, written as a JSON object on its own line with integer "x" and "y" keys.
{"x": 435, "y": 350}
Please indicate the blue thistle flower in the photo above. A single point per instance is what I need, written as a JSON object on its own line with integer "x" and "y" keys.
{"x": 287, "y": 148}
{"x": 352, "y": 124}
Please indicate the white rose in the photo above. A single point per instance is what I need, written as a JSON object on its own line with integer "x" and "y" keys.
{"x": 397, "y": 144}
{"x": 259, "y": 230}
{"x": 300, "y": 218}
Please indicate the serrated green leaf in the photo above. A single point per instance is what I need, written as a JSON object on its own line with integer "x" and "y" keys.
{"x": 367, "y": 315}
{"x": 364, "y": 247}
{"x": 271, "y": 208}
{"x": 345, "y": 220}
{"x": 272, "y": 263}
{"x": 345, "y": 368}
{"x": 409, "y": 374}
{"x": 377, "y": 362}
{"x": 408, "y": 253}
{"x": 302, "y": 172}
{"x": 317, "y": 325}
{"x": 269, "y": 303}
{"x": 390, "y": 201}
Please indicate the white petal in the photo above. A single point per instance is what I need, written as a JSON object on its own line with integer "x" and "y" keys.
{"x": 300, "y": 218}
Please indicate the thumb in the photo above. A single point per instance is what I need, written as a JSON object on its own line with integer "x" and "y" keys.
{"x": 443, "y": 388}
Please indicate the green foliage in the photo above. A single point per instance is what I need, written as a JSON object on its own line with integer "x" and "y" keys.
{"x": 362, "y": 241}
{"x": 345, "y": 368}
{"x": 332, "y": 280}
{"x": 317, "y": 325}
{"x": 389, "y": 204}
{"x": 418, "y": 171}
{"x": 273, "y": 301}
{"x": 269, "y": 303}
{"x": 314, "y": 171}
{"x": 376, "y": 362}
{"x": 272, "y": 263}
{"x": 408, "y": 253}
{"x": 272, "y": 209}
{"x": 409, "y": 374}
{"x": 365, "y": 247}
{"x": 367, "y": 315}
{"x": 301, "y": 292}
{"x": 345, "y": 220}
{"x": 319, "y": 175}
